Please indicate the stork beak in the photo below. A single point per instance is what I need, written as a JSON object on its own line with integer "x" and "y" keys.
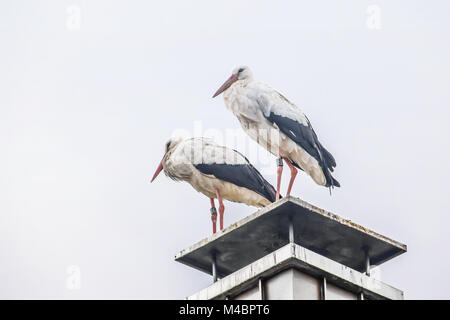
{"x": 226, "y": 85}
{"x": 158, "y": 170}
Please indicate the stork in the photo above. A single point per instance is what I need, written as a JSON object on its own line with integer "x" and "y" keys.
{"x": 217, "y": 172}
{"x": 263, "y": 111}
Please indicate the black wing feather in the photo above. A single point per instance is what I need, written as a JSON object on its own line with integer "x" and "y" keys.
{"x": 242, "y": 175}
{"x": 306, "y": 138}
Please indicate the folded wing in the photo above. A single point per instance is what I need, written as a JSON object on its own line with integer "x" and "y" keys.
{"x": 294, "y": 124}
{"x": 231, "y": 166}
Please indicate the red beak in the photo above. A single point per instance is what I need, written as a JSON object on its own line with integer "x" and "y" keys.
{"x": 226, "y": 85}
{"x": 158, "y": 170}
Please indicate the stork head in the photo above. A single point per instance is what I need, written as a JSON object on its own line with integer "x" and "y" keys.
{"x": 239, "y": 73}
{"x": 169, "y": 146}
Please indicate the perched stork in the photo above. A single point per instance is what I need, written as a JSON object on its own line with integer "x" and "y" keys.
{"x": 262, "y": 111}
{"x": 217, "y": 172}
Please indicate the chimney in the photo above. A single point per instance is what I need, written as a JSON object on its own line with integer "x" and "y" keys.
{"x": 295, "y": 251}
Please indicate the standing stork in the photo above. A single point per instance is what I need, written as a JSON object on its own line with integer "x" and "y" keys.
{"x": 217, "y": 172}
{"x": 262, "y": 111}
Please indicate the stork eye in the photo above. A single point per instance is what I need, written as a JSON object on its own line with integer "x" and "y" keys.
{"x": 167, "y": 146}
{"x": 240, "y": 70}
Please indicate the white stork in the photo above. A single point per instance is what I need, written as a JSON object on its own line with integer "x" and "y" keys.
{"x": 217, "y": 172}
{"x": 262, "y": 111}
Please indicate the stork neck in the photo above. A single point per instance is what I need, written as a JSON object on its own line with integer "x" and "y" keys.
{"x": 244, "y": 82}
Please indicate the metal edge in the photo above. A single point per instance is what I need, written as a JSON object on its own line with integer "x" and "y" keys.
{"x": 301, "y": 203}
{"x": 347, "y": 223}
{"x": 292, "y": 260}
{"x": 230, "y": 228}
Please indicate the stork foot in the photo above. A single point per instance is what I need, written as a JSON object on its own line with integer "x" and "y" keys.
{"x": 294, "y": 172}
{"x": 221, "y": 208}
{"x": 213, "y": 215}
{"x": 221, "y": 211}
{"x": 279, "y": 173}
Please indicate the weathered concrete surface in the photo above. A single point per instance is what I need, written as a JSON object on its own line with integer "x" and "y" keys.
{"x": 295, "y": 256}
{"x": 267, "y": 230}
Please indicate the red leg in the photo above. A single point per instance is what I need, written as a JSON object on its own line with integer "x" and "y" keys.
{"x": 279, "y": 172}
{"x": 221, "y": 208}
{"x": 294, "y": 172}
{"x": 213, "y": 215}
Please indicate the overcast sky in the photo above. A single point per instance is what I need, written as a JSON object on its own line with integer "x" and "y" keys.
{"x": 91, "y": 90}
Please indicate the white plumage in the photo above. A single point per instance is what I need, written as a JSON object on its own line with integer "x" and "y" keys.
{"x": 215, "y": 171}
{"x": 278, "y": 125}
{"x": 180, "y": 162}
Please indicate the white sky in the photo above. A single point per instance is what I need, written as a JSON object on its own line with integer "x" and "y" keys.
{"x": 85, "y": 114}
